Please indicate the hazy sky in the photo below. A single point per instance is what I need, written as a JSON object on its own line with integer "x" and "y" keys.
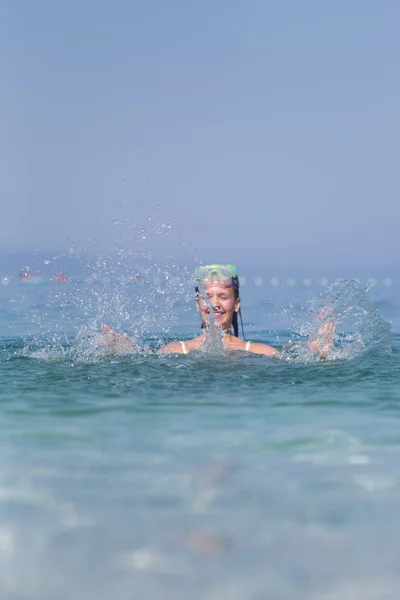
{"x": 265, "y": 131}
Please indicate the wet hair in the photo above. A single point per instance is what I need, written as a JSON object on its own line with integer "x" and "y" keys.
{"x": 235, "y": 325}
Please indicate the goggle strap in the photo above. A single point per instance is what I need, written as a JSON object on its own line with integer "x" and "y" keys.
{"x": 241, "y": 323}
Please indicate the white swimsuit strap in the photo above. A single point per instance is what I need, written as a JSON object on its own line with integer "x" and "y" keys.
{"x": 184, "y": 349}
{"x": 247, "y": 346}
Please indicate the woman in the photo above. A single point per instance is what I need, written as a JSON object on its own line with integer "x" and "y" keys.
{"x": 219, "y": 301}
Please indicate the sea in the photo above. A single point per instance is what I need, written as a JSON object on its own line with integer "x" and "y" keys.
{"x": 210, "y": 476}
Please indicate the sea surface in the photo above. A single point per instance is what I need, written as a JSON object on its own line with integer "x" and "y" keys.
{"x": 206, "y": 476}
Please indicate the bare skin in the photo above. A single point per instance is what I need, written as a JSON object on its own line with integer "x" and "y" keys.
{"x": 224, "y": 305}
{"x": 230, "y": 341}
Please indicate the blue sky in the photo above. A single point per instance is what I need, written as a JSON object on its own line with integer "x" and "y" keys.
{"x": 266, "y": 132}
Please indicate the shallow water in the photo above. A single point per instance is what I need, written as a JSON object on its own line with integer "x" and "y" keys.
{"x": 212, "y": 477}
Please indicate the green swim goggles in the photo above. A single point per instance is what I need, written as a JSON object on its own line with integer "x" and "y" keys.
{"x": 219, "y": 271}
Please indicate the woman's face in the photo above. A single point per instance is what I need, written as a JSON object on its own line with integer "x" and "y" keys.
{"x": 223, "y": 305}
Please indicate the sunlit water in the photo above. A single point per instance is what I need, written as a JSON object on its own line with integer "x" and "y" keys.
{"x": 203, "y": 477}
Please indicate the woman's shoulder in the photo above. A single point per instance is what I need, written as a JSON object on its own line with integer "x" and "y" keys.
{"x": 173, "y": 347}
{"x": 260, "y": 348}
{"x": 254, "y": 347}
{"x": 182, "y": 347}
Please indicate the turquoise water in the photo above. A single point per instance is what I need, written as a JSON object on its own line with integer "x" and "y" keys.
{"x": 206, "y": 476}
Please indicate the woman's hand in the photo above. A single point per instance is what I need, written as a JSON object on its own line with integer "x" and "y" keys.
{"x": 324, "y": 342}
{"x": 115, "y": 342}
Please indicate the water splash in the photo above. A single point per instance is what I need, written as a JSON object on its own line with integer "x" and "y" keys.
{"x": 131, "y": 281}
{"x": 213, "y": 344}
{"x": 359, "y": 327}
